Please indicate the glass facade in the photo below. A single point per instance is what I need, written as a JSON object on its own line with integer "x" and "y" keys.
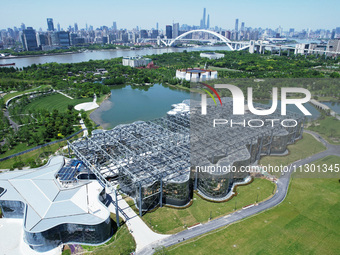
{"x": 177, "y": 193}
{"x": 12, "y": 209}
{"x": 279, "y": 143}
{"x": 150, "y": 196}
{"x": 214, "y": 185}
{"x": 64, "y": 233}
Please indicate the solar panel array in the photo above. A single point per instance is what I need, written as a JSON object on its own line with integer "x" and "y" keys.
{"x": 68, "y": 172}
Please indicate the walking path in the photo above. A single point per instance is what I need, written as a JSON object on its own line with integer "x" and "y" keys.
{"x": 64, "y": 94}
{"x": 83, "y": 127}
{"x": 142, "y": 234}
{"x": 28, "y": 93}
{"x": 86, "y": 107}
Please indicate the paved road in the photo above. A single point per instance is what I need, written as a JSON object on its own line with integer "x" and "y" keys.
{"x": 279, "y": 196}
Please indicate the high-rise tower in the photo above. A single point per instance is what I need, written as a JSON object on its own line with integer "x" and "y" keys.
{"x": 236, "y": 25}
{"x": 203, "y": 20}
{"x": 50, "y": 26}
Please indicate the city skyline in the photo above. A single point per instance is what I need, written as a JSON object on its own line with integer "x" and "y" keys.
{"x": 221, "y": 14}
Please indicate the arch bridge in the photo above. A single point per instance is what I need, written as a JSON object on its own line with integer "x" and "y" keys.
{"x": 233, "y": 45}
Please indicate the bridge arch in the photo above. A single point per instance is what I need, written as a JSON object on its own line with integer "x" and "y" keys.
{"x": 224, "y": 39}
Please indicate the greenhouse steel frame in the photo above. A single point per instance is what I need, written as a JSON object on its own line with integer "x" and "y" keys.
{"x": 152, "y": 161}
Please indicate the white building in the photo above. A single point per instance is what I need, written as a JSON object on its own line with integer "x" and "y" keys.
{"x": 196, "y": 75}
{"x": 211, "y": 55}
{"x": 136, "y": 61}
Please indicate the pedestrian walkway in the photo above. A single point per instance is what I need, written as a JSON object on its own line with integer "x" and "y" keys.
{"x": 64, "y": 94}
{"x": 142, "y": 234}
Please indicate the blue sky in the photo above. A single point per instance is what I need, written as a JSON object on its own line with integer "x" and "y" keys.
{"x": 300, "y": 14}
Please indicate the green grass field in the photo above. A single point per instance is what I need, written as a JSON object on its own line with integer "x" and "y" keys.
{"x": 328, "y": 128}
{"x": 55, "y": 101}
{"x": 29, "y": 155}
{"x": 301, "y": 149}
{"x": 169, "y": 220}
{"x": 11, "y": 95}
{"x": 306, "y": 222}
{"x": 121, "y": 242}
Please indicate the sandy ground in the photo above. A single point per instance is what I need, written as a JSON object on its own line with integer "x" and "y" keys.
{"x": 86, "y": 106}
{"x": 95, "y": 116}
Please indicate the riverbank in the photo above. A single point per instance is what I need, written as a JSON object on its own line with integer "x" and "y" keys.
{"x": 84, "y": 56}
{"x": 75, "y": 52}
{"x": 41, "y": 55}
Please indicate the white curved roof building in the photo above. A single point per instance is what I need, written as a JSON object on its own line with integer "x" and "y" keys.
{"x": 56, "y": 205}
{"x": 211, "y": 55}
{"x": 196, "y": 75}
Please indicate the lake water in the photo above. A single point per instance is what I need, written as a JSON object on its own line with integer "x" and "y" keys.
{"x": 100, "y": 54}
{"x": 335, "y": 106}
{"x": 131, "y": 103}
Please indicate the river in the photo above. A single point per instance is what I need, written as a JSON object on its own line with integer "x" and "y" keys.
{"x": 100, "y": 54}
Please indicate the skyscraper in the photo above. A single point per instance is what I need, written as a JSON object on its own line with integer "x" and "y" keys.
{"x": 157, "y": 26}
{"x": 114, "y": 26}
{"x": 50, "y": 26}
{"x": 208, "y": 22}
{"x": 175, "y": 30}
{"x": 23, "y": 26}
{"x": 58, "y": 26}
{"x": 75, "y": 27}
{"x": 203, "y": 20}
{"x": 236, "y": 25}
{"x": 242, "y": 27}
{"x": 168, "y": 31}
{"x": 29, "y": 39}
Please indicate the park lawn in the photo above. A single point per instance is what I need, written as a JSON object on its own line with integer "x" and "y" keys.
{"x": 168, "y": 220}
{"x": 328, "y": 128}
{"x": 330, "y": 160}
{"x": 11, "y": 95}
{"x": 303, "y": 148}
{"x": 331, "y": 163}
{"x": 122, "y": 242}
{"x": 55, "y": 102}
{"x": 306, "y": 222}
{"x": 50, "y": 149}
{"x": 30, "y": 155}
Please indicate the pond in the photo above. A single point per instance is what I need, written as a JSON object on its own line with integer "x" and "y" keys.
{"x": 131, "y": 103}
